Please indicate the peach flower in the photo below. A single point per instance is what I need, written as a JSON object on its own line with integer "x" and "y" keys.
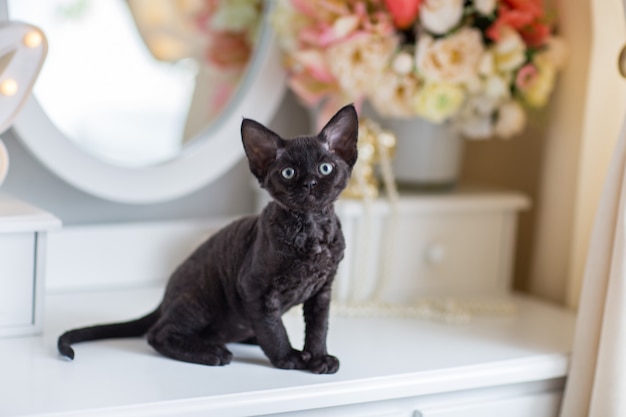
{"x": 395, "y": 95}
{"x": 358, "y": 63}
{"x": 451, "y": 60}
{"x": 510, "y": 120}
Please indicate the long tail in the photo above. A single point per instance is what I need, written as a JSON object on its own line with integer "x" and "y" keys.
{"x": 134, "y": 328}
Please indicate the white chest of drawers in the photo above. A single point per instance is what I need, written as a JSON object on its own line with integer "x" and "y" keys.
{"x": 22, "y": 265}
{"x": 442, "y": 244}
{"x": 512, "y": 365}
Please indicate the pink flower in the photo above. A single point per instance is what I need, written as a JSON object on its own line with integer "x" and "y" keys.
{"x": 324, "y": 35}
{"x": 525, "y": 16}
{"x": 525, "y": 76}
{"x": 404, "y": 12}
{"x": 333, "y": 21}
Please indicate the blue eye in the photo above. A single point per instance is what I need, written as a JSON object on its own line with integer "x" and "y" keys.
{"x": 288, "y": 173}
{"x": 325, "y": 168}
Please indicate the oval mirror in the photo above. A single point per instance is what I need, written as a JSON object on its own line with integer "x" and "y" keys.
{"x": 141, "y": 101}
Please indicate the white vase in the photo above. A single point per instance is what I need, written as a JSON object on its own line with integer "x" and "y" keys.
{"x": 428, "y": 156}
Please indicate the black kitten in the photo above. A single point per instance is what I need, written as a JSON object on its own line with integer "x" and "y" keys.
{"x": 236, "y": 286}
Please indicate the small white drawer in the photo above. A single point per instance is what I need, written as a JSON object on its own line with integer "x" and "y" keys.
{"x": 22, "y": 266}
{"x": 17, "y": 279}
{"x": 451, "y": 244}
{"x": 449, "y": 254}
{"x": 545, "y": 404}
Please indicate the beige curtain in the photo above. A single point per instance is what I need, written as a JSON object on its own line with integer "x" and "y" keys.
{"x": 596, "y": 386}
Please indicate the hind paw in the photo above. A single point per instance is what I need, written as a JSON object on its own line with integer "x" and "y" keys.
{"x": 217, "y": 356}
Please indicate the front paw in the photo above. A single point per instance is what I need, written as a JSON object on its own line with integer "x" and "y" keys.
{"x": 325, "y": 364}
{"x": 295, "y": 359}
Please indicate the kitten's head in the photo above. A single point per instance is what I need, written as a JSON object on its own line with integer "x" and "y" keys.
{"x": 305, "y": 172}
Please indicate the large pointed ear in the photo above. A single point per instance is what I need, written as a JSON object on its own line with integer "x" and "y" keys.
{"x": 341, "y": 134}
{"x": 262, "y": 146}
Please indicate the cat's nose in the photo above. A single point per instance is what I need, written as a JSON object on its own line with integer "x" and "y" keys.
{"x": 310, "y": 184}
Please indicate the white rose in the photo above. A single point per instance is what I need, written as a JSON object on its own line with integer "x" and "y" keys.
{"x": 482, "y": 105}
{"x": 510, "y": 51}
{"x": 402, "y": 63}
{"x": 486, "y": 64}
{"x": 485, "y": 7}
{"x": 497, "y": 87}
{"x": 478, "y": 127}
{"x": 510, "y": 120}
{"x": 475, "y": 120}
{"x": 474, "y": 85}
{"x": 451, "y": 60}
{"x": 439, "y": 16}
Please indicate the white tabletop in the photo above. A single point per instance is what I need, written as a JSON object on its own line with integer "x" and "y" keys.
{"x": 18, "y": 216}
{"x": 381, "y": 358}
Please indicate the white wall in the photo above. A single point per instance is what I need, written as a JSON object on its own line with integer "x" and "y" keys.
{"x": 587, "y": 114}
{"x": 562, "y": 158}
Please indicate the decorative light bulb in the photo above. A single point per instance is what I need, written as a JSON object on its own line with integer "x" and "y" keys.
{"x": 8, "y": 87}
{"x": 33, "y": 39}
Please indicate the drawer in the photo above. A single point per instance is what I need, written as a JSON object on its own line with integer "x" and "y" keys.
{"x": 17, "y": 279}
{"x": 445, "y": 254}
{"x": 538, "y": 405}
{"x": 426, "y": 254}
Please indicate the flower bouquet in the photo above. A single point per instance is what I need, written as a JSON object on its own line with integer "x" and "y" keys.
{"x": 478, "y": 64}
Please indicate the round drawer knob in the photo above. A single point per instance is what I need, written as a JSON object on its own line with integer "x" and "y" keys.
{"x": 435, "y": 253}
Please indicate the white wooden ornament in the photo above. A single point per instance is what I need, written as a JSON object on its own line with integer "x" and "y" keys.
{"x": 23, "y": 48}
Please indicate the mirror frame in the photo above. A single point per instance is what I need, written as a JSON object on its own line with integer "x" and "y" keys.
{"x": 203, "y": 160}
